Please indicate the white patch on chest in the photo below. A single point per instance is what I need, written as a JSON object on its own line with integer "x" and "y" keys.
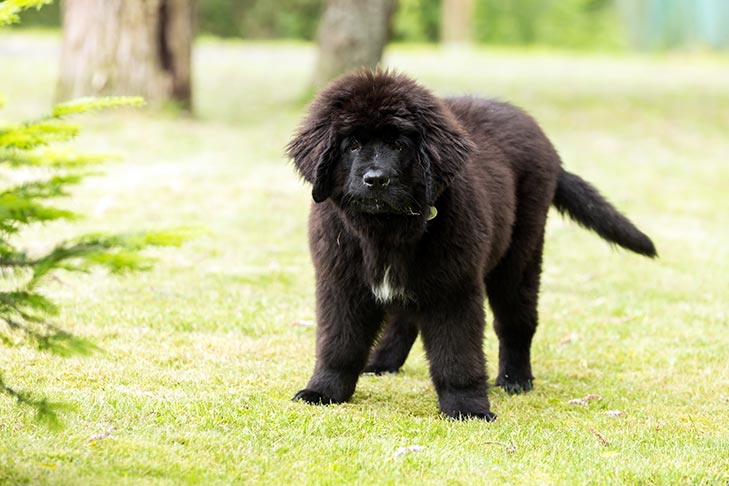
{"x": 385, "y": 291}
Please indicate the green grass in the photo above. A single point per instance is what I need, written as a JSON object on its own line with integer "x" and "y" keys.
{"x": 199, "y": 359}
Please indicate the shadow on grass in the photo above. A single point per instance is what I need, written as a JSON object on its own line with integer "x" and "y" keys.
{"x": 51, "y": 339}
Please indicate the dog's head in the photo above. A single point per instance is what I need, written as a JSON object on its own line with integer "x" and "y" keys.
{"x": 379, "y": 143}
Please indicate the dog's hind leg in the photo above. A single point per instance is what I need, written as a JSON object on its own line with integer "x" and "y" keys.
{"x": 513, "y": 285}
{"x": 394, "y": 346}
{"x": 513, "y": 292}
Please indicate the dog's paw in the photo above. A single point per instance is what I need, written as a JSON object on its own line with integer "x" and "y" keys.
{"x": 312, "y": 397}
{"x": 487, "y": 416}
{"x": 515, "y": 385}
{"x": 464, "y": 406}
{"x": 380, "y": 369}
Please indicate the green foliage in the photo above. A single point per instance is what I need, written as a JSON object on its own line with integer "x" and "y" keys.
{"x": 260, "y": 19}
{"x": 417, "y": 20}
{"x": 256, "y": 19}
{"x": 10, "y": 9}
{"x": 581, "y": 24}
{"x": 33, "y": 176}
{"x": 564, "y": 23}
{"x": 87, "y": 105}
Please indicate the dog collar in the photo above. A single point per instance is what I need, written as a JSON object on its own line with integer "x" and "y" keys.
{"x": 433, "y": 213}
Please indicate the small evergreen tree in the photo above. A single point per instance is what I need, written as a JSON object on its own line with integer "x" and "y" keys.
{"x": 32, "y": 175}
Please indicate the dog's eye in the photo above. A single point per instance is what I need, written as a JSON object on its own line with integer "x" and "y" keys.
{"x": 354, "y": 145}
{"x": 397, "y": 145}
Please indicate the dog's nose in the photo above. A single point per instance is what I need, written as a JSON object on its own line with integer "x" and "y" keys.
{"x": 376, "y": 179}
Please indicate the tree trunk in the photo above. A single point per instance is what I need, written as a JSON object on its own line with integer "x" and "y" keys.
{"x": 127, "y": 47}
{"x": 352, "y": 34}
{"x": 457, "y": 21}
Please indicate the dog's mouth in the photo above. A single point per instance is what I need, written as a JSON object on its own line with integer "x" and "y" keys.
{"x": 381, "y": 206}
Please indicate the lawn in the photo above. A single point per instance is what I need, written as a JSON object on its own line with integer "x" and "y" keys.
{"x": 198, "y": 359}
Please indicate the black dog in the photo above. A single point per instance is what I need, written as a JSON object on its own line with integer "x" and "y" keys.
{"x": 425, "y": 207}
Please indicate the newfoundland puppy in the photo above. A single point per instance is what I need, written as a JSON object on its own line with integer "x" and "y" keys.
{"x": 423, "y": 208}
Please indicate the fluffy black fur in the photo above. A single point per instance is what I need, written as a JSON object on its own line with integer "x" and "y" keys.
{"x": 380, "y": 152}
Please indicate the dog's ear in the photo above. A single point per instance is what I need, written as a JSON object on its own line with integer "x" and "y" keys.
{"x": 323, "y": 177}
{"x": 444, "y": 149}
{"x": 313, "y": 151}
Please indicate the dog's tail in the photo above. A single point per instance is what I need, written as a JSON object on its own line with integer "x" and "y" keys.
{"x": 585, "y": 205}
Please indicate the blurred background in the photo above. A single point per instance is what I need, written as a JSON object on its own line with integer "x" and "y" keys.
{"x": 144, "y": 46}
{"x": 581, "y": 24}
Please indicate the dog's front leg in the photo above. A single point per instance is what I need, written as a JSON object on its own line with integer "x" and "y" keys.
{"x": 348, "y": 322}
{"x": 452, "y": 330}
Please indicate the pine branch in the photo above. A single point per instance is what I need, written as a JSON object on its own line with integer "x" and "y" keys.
{"x": 90, "y": 105}
{"x": 10, "y": 9}
{"x": 16, "y": 210}
{"x": 56, "y": 158}
{"x": 51, "y": 127}
{"x": 36, "y": 133}
{"x": 10, "y": 258}
{"x": 116, "y": 253}
{"x": 52, "y": 187}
